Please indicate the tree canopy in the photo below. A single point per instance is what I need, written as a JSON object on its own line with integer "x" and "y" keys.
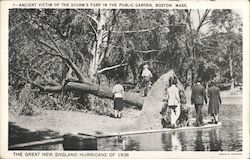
{"x": 65, "y": 49}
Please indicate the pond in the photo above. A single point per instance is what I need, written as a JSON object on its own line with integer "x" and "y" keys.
{"x": 228, "y": 137}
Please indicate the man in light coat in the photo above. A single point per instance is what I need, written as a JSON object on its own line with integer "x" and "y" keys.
{"x": 173, "y": 99}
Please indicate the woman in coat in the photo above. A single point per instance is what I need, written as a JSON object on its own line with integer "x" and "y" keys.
{"x": 214, "y": 102}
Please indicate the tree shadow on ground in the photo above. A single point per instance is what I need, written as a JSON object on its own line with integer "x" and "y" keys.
{"x": 18, "y": 135}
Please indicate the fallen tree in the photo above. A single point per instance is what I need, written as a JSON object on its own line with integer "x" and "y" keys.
{"x": 71, "y": 84}
{"x": 78, "y": 81}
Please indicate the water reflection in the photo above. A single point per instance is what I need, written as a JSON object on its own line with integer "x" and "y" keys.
{"x": 166, "y": 138}
{"x": 176, "y": 145}
{"x": 215, "y": 141}
{"x": 199, "y": 142}
{"x": 193, "y": 140}
{"x": 228, "y": 137}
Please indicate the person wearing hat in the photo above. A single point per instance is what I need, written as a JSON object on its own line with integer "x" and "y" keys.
{"x": 214, "y": 102}
{"x": 146, "y": 76}
{"x": 173, "y": 100}
{"x": 198, "y": 97}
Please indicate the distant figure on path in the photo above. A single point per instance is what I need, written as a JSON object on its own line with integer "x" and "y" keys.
{"x": 118, "y": 94}
{"x": 214, "y": 102}
{"x": 146, "y": 76}
{"x": 197, "y": 98}
{"x": 173, "y": 99}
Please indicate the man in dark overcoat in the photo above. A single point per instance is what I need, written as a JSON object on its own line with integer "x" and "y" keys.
{"x": 214, "y": 102}
{"x": 197, "y": 98}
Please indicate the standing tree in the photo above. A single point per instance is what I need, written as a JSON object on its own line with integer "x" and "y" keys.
{"x": 228, "y": 27}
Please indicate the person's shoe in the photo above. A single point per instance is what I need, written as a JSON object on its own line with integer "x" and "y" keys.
{"x": 202, "y": 124}
{"x": 216, "y": 122}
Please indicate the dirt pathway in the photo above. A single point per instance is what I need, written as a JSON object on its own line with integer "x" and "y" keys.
{"x": 75, "y": 122}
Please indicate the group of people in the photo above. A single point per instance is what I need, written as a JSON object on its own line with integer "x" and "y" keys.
{"x": 198, "y": 97}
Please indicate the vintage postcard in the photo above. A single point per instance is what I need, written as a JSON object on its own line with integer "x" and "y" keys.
{"x": 124, "y": 79}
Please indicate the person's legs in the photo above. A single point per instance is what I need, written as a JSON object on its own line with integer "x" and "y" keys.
{"x": 212, "y": 118}
{"x": 142, "y": 86}
{"x": 115, "y": 108}
{"x": 146, "y": 88}
{"x": 116, "y": 113}
{"x": 177, "y": 114}
{"x": 119, "y": 114}
{"x": 216, "y": 118}
{"x": 172, "y": 116}
{"x": 200, "y": 115}
{"x": 197, "y": 114}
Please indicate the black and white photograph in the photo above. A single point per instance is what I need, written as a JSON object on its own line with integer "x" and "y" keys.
{"x": 108, "y": 79}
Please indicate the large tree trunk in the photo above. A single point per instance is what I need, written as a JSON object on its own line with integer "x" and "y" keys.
{"x": 130, "y": 98}
{"x": 97, "y": 50}
{"x": 105, "y": 92}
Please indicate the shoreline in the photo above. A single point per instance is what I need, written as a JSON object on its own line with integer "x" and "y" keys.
{"x": 64, "y": 122}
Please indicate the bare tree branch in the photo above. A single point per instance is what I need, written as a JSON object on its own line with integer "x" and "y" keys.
{"x": 93, "y": 28}
{"x": 94, "y": 19}
{"x": 152, "y": 60}
{"x": 199, "y": 14}
{"x": 111, "y": 67}
{"x": 136, "y": 31}
{"x": 148, "y": 51}
{"x": 47, "y": 45}
{"x": 206, "y": 50}
{"x": 69, "y": 62}
{"x": 146, "y": 30}
{"x": 50, "y": 37}
{"x": 203, "y": 19}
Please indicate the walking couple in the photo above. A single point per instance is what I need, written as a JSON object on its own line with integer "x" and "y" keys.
{"x": 199, "y": 96}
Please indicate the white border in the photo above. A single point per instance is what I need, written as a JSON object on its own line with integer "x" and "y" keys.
{"x": 195, "y": 4}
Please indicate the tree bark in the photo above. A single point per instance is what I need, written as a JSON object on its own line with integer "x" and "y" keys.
{"x": 97, "y": 50}
{"x": 130, "y": 98}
